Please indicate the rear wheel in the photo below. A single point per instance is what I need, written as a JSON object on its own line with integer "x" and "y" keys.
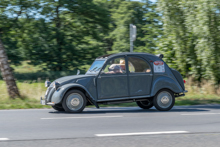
{"x": 164, "y": 100}
{"x": 74, "y": 101}
{"x": 145, "y": 104}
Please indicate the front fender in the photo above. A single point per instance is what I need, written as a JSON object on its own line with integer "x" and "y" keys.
{"x": 164, "y": 82}
{"x": 60, "y": 92}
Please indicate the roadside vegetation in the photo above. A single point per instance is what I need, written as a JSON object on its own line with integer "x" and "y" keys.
{"x": 49, "y": 39}
{"x": 31, "y": 90}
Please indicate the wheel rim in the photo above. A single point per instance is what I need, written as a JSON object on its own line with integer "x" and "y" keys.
{"x": 145, "y": 103}
{"x": 164, "y": 99}
{"x": 74, "y": 101}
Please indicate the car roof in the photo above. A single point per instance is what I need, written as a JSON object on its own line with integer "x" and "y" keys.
{"x": 124, "y": 53}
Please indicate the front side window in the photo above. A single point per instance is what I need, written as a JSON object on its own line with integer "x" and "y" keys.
{"x": 115, "y": 66}
{"x": 137, "y": 65}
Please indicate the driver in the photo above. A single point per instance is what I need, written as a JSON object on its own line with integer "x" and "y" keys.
{"x": 115, "y": 69}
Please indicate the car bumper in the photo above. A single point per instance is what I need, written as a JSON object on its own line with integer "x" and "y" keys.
{"x": 43, "y": 101}
{"x": 183, "y": 94}
{"x": 185, "y": 91}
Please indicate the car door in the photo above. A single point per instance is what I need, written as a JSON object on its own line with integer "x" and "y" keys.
{"x": 112, "y": 81}
{"x": 139, "y": 75}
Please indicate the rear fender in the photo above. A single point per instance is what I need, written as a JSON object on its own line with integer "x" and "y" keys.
{"x": 164, "y": 82}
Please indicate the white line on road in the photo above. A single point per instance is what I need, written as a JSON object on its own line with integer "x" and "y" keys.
{"x": 83, "y": 117}
{"x": 1, "y": 139}
{"x": 201, "y": 114}
{"x": 141, "y": 133}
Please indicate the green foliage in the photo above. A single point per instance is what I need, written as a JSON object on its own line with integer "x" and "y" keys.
{"x": 65, "y": 35}
{"x": 191, "y": 37}
{"x": 141, "y": 14}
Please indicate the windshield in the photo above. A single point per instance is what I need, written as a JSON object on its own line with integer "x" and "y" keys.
{"x": 96, "y": 67}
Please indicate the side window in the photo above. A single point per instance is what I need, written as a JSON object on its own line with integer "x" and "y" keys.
{"x": 137, "y": 65}
{"x": 115, "y": 66}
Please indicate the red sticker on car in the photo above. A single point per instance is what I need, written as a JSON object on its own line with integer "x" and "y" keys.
{"x": 158, "y": 63}
{"x": 159, "y": 66}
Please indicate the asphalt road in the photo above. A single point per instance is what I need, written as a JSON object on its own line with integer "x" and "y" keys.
{"x": 112, "y": 127}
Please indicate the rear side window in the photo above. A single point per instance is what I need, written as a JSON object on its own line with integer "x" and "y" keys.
{"x": 138, "y": 65}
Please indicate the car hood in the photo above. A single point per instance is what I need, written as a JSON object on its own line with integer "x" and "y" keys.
{"x": 68, "y": 79}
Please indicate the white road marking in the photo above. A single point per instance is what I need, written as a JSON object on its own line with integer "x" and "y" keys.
{"x": 141, "y": 133}
{"x": 1, "y": 139}
{"x": 83, "y": 117}
{"x": 201, "y": 114}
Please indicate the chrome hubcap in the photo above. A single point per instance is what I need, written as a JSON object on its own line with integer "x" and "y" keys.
{"x": 74, "y": 101}
{"x": 164, "y": 99}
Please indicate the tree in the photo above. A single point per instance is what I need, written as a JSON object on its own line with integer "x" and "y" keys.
{"x": 67, "y": 36}
{"x": 143, "y": 15}
{"x": 7, "y": 73}
{"x": 10, "y": 26}
{"x": 191, "y": 31}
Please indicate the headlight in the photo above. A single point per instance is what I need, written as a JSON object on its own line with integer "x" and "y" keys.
{"x": 47, "y": 83}
{"x": 56, "y": 85}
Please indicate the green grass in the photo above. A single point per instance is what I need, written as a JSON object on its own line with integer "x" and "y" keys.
{"x": 30, "y": 96}
{"x": 26, "y": 68}
{"x": 197, "y": 99}
{"x": 19, "y": 103}
{"x": 31, "y": 91}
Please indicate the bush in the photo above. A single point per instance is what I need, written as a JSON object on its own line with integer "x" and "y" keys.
{"x": 41, "y": 76}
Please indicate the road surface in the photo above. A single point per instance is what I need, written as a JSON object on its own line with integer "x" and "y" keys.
{"x": 112, "y": 127}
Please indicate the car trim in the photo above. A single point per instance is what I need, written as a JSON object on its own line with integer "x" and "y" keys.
{"x": 142, "y": 74}
{"x": 112, "y": 75}
{"x": 124, "y": 98}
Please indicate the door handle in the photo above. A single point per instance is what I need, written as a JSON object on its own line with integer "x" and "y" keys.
{"x": 151, "y": 74}
{"x": 99, "y": 77}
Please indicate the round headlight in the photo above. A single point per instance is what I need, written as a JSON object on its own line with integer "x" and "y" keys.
{"x": 56, "y": 85}
{"x": 47, "y": 83}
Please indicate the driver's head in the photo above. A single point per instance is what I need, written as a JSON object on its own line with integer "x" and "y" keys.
{"x": 115, "y": 68}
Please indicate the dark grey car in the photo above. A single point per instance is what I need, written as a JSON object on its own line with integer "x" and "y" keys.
{"x": 124, "y": 77}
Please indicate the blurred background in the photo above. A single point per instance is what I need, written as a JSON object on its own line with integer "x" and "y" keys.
{"x": 47, "y": 39}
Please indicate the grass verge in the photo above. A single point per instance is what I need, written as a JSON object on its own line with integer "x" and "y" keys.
{"x": 31, "y": 93}
{"x": 19, "y": 103}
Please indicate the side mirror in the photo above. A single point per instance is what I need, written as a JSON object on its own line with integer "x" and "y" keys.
{"x": 78, "y": 72}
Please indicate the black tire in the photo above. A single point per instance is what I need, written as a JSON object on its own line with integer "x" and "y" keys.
{"x": 74, "y": 101}
{"x": 164, "y": 100}
{"x": 145, "y": 104}
{"x": 58, "y": 108}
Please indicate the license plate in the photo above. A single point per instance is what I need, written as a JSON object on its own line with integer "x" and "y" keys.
{"x": 42, "y": 102}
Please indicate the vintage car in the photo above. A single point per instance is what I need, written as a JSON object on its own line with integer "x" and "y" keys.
{"x": 124, "y": 77}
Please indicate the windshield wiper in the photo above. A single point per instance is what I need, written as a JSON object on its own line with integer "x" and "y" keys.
{"x": 92, "y": 69}
{"x": 98, "y": 69}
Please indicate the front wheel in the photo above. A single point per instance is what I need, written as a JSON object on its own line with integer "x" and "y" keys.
{"x": 164, "y": 100}
{"x": 58, "y": 108}
{"x": 74, "y": 101}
